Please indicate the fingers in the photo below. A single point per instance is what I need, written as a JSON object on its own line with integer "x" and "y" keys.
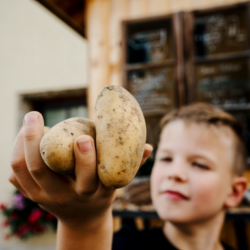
{"x": 148, "y": 149}
{"x": 14, "y": 181}
{"x": 33, "y": 133}
{"x": 19, "y": 167}
{"x": 45, "y": 178}
{"x": 85, "y": 165}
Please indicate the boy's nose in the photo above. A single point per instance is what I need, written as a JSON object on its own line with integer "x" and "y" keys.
{"x": 179, "y": 178}
{"x": 178, "y": 172}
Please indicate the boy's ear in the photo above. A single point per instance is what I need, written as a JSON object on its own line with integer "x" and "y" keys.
{"x": 239, "y": 186}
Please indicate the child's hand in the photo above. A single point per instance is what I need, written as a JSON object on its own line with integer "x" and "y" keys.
{"x": 74, "y": 201}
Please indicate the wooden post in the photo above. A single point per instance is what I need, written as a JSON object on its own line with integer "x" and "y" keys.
{"x": 97, "y": 15}
{"x": 119, "y": 12}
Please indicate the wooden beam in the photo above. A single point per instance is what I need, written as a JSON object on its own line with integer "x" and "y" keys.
{"x": 98, "y": 16}
{"x": 63, "y": 16}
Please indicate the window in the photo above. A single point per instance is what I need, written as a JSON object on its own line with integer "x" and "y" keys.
{"x": 153, "y": 62}
{"x": 58, "y": 105}
{"x": 189, "y": 57}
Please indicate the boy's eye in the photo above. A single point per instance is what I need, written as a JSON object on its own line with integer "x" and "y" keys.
{"x": 168, "y": 159}
{"x": 202, "y": 166}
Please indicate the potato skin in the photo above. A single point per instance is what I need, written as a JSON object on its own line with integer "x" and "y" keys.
{"x": 57, "y": 144}
{"x": 120, "y": 136}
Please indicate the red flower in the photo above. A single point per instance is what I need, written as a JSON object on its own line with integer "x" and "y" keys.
{"x": 2, "y": 206}
{"x": 35, "y": 216}
{"x": 13, "y": 215}
{"x": 38, "y": 228}
{"x": 5, "y": 223}
{"x": 50, "y": 216}
{"x": 22, "y": 230}
{"x": 7, "y": 236}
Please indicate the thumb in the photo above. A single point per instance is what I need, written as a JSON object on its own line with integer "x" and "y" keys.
{"x": 85, "y": 165}
{"x": 148, "y": 149}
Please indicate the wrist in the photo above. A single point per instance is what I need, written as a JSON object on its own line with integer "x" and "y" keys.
{"x": 90, "y": 221}
{"x": 94, "y": 233}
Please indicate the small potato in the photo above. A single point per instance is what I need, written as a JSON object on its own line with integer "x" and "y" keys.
{"x": 120, "y": 136}
{"x": 57, "y": 144}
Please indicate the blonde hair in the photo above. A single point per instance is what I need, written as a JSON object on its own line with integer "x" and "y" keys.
{"x": 210, "y": 115}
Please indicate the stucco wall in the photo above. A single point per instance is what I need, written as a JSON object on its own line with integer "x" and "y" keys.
{"x": 38, "y": 52}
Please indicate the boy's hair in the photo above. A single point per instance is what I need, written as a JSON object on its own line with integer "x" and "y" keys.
{"x": 210, "y": 115}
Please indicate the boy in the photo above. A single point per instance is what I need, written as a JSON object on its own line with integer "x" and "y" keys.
{"x": 197, "y": 175}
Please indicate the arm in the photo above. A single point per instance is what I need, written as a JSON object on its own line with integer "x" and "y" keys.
{"x": 95, "y": 235}
{"x": 82, "y": 203}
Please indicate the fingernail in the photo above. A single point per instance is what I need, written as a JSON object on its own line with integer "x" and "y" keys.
{"x": 31, "y": 118}
{"x": 84, "y": 145}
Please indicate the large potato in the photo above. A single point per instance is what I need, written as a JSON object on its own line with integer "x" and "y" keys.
{"x": 120, "y": 136}
{"x": 57, "y": 145}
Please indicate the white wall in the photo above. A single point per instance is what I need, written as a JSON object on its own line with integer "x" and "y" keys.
{"x": 38, "y": 52}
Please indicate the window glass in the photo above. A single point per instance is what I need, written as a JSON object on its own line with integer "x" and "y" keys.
{"x": 55, "y": 115}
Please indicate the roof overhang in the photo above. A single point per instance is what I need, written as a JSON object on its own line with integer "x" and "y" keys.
{"x": 69, "y": 11}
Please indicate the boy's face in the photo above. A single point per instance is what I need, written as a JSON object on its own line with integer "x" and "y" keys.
{"x": 192, "y": 176}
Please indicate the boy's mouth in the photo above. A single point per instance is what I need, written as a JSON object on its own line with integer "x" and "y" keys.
{"x": 175, "y": 195}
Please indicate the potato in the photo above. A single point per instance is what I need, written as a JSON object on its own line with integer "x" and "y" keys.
{"x": 46, "y": 129}
{"x": 57, "y": 144}
{"x": 120, "y": 136}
